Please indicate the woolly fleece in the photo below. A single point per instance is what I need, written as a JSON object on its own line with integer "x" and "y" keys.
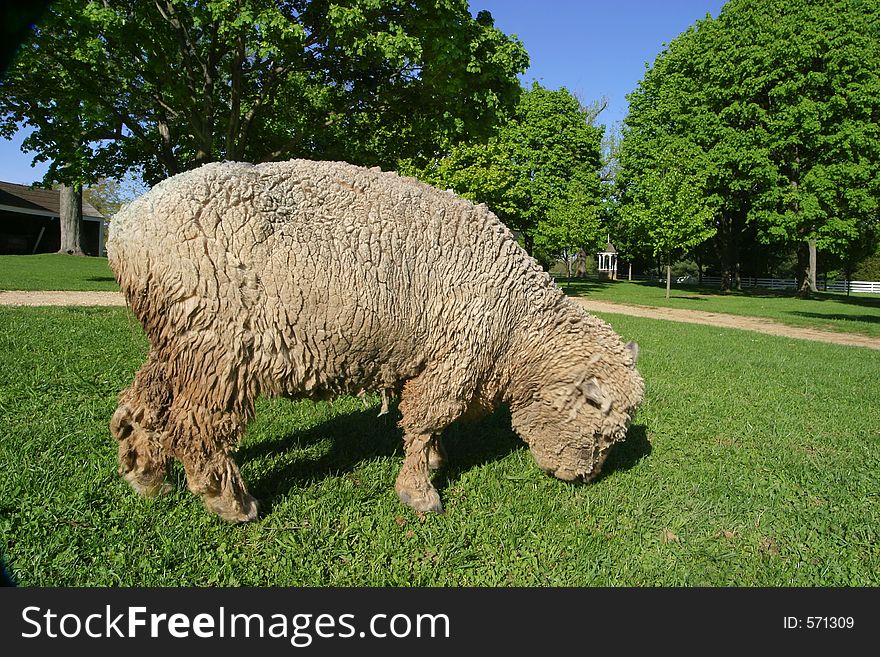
{"x": 316, "y": 279}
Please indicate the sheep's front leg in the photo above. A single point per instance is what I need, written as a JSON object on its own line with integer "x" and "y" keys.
{"x": 138, "y": 425}
{"x": 427, "y": 407}
{"x": 143, "y": 462}
{"x": 203, "y": 438}
{"x": 215, "y": 477}
{"x": 413, "y": 485}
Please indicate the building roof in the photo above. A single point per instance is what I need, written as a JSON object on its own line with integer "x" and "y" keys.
{"x": 609, "y": 248}
{"x": 36, "y": 199}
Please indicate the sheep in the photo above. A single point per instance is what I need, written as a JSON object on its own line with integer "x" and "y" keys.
{"x": 315, "y": 279}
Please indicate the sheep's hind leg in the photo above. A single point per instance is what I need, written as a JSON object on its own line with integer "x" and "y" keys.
{"x": 138, "y": 424}
{"x": 203, "y": 439}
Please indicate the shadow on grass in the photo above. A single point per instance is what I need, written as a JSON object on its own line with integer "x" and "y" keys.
{"x": 101, "y": 279}
{"x": 864, "y": 302}
{"x": 764, "y": 293}
{"x": 576, "y": 287}
{"x": 834, "y": 317}
{"x": 354, "y": 437}
{"x": 629, "y": 453}
{"x": 362, "y": 436}
{"x": 579, "y": 287}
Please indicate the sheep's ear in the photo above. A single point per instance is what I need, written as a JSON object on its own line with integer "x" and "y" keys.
{"x": 633, "y": 348}
{"x": 571, "y": 397}
{"x": 593, "y": 392}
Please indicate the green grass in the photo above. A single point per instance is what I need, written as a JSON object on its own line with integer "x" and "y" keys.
{"x": 858, "y": 313}
{"x": 54, "y": 271}
{"x": 754, "y": 462}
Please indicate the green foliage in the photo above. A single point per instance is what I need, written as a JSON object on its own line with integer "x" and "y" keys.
{"x": 666, "y": 205}
{"x": 573, "y": 224}
{"x": 481, "y": 172}
{"x": 539, "y": 173}
{"x": 782, "y": 100}
{"x": 108, "y": 195}
{"x": 869, "y": 268}
{"x": 556, "y": 151}
{"x": 166, "y": 86}
{"x": 768, "y": 478}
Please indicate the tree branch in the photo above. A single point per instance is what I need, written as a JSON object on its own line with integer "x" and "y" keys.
{"x": 191, "y": 61}
{"x": 234, "y": 124}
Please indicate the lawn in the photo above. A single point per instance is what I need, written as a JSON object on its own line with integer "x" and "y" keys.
{"x": 753, "y": 462}
{"x": 54, "y": 271}
{"x": 858, "y": 313}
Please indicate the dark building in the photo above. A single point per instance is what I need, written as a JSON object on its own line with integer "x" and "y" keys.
{"x": 29, "y": 222}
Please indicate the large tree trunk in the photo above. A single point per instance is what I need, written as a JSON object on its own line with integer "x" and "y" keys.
{"x": 581, "y": 268}
{"x": 71, "y": 220}
{"x": 529, "y": 243}
{"x": 727, "y": 244}
{"x": 807, "y": 268}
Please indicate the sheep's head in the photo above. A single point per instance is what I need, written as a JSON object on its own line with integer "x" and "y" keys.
{"x": 571, "y": 423}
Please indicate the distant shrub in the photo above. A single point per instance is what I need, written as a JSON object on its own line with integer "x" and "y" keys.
{"x": 868, "y": 269}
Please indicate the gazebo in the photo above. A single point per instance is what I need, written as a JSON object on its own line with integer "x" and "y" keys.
{"x": 608, "y": 262}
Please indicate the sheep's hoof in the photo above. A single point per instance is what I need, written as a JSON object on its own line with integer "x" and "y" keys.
{"x": 427, "y": 501}
{"x": 146, "y": 485}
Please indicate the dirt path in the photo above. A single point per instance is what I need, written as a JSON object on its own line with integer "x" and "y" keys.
{"x": 757, "y": 324}
{"x": 16, "y": 298}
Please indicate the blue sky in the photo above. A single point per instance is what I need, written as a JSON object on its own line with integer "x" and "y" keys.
{"x": 594, "y": 48}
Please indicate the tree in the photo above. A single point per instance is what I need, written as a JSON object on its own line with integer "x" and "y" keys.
{"x": 668, "y": 206}
{"x": 783, "y": 100}
{"x": 108, "y": 195}
{"x": 483, "y": 172}
{"x": 18, "y": 17}
{"x": 820, "y": 91}
{"x": 166, "y": 85}
{"x": 539, "y": 172}
{"x": 572, "y": 225}
{"x": 868, "y": 267}
{"x": 39, "y": 92}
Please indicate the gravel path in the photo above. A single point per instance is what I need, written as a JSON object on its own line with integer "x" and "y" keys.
{"x": 757, "y": 324}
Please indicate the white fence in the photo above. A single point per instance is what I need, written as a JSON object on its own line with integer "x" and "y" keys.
{"x": 869, "y": 287}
